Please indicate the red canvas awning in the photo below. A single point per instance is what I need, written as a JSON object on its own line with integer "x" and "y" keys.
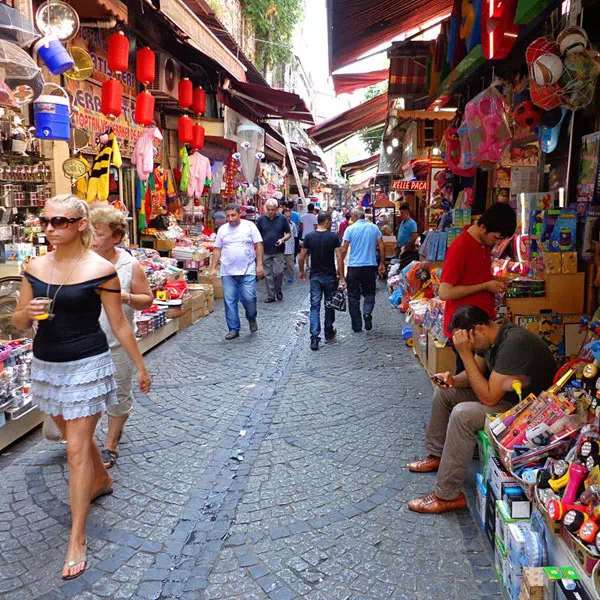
{"x": 305, "y": 155}
{"x": 357, "y": 26}
{"x": 351, "y": 168}
{"x": 336, "y": 130}
{"x": 408, "y": 69}
{"x": 345, "y": 84}
{"x": 263, "y": 102}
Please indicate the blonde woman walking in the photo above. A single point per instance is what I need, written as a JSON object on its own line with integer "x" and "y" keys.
{"x": 72, "y": 371}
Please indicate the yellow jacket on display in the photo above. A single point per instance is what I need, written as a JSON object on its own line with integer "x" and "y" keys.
{"x": 98, "y": 182}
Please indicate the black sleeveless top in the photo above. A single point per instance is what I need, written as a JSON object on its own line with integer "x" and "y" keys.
{"x": 74, "y": 333}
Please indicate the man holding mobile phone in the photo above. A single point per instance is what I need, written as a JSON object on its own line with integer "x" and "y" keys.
{"x": 461, "y": 402}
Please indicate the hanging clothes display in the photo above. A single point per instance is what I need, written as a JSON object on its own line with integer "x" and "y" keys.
{"x": 199, "y": 174}
{"x": 109, "y": 155}
{"x": 184, "y": 161}
{"x": 81, "y": 185}
{"x": 158, "y": 195}
{"x": 145, "y": 152}
{"x": 217, "y": 176}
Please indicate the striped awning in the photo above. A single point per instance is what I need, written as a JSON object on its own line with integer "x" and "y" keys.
{"x": 338, "y": 129}
{"x": 351, "y": 168}
{"x": 408, "y": 69}
{"x": 348, "y": 83}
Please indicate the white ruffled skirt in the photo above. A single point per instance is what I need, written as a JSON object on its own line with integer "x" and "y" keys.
{"x": 74, "y": 389}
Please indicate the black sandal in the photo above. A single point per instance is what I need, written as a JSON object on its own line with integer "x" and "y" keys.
{"x": 109, "y": 458}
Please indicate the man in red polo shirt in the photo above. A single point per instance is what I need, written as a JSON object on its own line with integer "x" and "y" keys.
{"x": 467, "y": 273}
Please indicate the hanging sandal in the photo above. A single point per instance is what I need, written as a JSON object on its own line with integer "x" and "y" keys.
{"x": 109, "y": 458}
{"x": 71, "y": 564}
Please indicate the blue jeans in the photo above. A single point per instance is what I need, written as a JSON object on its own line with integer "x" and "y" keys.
{"x": 321, "y": 285}
{"x": 236, "y": 288}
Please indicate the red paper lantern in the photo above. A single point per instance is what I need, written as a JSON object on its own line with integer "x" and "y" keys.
{"x": 118, "y": 52}
{"x": 112, "y": 98}
{"x": 199, "y": 102}
{"x": 145, "y": 66}
{"x": 186, "y": 93}
{"x": 185, "y": 128}
{"x": 198, "y": 137}
{"x": 144, "y": 108}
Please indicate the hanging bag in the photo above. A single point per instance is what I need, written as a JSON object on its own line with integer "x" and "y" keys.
{"x": 338, "y": 300}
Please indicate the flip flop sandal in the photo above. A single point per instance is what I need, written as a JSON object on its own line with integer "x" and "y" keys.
{"x": 104, "y": 492}
{"x": 109, "y": 458}
{"x": 74, "y": 563}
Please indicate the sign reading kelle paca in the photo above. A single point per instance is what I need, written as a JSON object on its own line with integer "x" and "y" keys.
{"x": 87, "y": 95}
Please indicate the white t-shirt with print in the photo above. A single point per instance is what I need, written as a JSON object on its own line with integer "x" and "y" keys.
{"x": 238, "y": 256}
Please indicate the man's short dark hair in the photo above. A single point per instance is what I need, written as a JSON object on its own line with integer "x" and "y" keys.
{"x": 405, "y": 206}
{"x": 323, "y": 217}
{"x": 233, "y": 206}
{"x": 468, "y": 317}
{"x": 499, "y": 218}
{"x": 310, "y": 207}
{"x": 291, "y": 204}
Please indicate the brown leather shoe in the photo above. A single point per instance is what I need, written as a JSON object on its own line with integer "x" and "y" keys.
{"x": 425, "y": 465}
{"x": 433, "y": 505}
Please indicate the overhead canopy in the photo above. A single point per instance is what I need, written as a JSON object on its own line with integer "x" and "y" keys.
{"x": 345, "y": 84}
{"x": 101, "y": 9}
{"x": 357, "y": 26}
{"x": 263, "y": 102}
{"x": 351, "y": 168}
{"x": 304, "y": 156}
{"x": 408, "y": 69}
{"x": 336, "y": 130}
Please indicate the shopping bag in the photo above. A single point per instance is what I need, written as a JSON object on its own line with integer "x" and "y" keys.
{"x": 337, "y": 301}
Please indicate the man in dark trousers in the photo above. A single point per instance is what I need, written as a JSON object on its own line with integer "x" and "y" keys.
{"x": 467, "y": 273}
{"x": 275, "y": 231}
{"x": 322, "y": 245}
{"x": 364, "y": 239}
{"x": 494, "y": 356}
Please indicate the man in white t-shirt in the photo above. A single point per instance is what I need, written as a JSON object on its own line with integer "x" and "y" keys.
{"x": 239, "y": 246}
{"x": 309, "y": 220}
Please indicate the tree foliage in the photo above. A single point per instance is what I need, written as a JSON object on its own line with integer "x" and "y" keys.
{"x": 371, "y": 138}
{"x": 274, "y": 22}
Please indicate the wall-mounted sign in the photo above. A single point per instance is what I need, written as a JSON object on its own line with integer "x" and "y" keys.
{"x": 409, "y": 186}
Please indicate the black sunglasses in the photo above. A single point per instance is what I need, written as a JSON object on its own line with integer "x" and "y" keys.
{"x": 58, "y": 222}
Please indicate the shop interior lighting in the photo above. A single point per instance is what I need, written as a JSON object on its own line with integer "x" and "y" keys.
{"x": 561, "y": 197}
{"x": 435, "y": 150}
{"x": 389, "y": 149}
{"x": 523, "y": 224}
{"x": 395, "y": 142}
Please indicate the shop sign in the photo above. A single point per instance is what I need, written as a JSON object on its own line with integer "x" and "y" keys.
{"x": 87, "y": 115}
{"x": 401, "y": 185}
{"x": 201, "y": 37}
{"x": 95, "y": 41}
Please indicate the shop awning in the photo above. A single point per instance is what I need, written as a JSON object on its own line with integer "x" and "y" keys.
{"x": 345, "y": 84}
{"x": 357, "y": 26}
{"x": 100, "y": 9}
{"x": 338, "y": 129}
{"x": 274, "y": 143}
{"x": 238, "y": 45}
{"x": 408, "y": 69}
{"x": 200, "y": 36}
{"x": 359, "y": 165}
{"x": 264, "y": 102}
{"x": 304, "y": 156}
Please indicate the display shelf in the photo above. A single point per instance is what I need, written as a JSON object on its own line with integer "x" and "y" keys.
{"x": 146, "y": 344}
{"x": 17, "y": 428}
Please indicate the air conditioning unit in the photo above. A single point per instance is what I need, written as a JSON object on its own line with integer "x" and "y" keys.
{"x": 168, "y": 73}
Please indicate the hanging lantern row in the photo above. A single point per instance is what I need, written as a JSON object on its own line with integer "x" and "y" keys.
{"x": 112, "y": 98}
{"x": 118, "y": 52}
{"x": 144, "y": 108}
{"x": 198, "y": 137}
{"x": 145, "y": 66}
{"x": 185, "y": 128}
{"x": 199, "y": 101}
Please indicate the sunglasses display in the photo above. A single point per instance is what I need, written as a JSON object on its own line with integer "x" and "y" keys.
{"x": 58, "y": 222}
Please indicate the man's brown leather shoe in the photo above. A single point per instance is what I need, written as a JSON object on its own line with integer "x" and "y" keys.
{"x": 425, "y": 465}
{"x": 433, "y": 505}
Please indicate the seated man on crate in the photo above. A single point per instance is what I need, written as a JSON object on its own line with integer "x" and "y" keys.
{"x": 494, "y": 356}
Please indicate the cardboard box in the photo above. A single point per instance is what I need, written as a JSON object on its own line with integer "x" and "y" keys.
{"x": 165, "y": 245}
{"x": 533, "y": 583}
{"x": 185, "y": 319}
{"x": 216, "y": 283}
{"x": 569, "y": 262}
{"x": 440, "y": 359}
{"x": 209, "y": 290}
{"x": 199, "y": 307}
{"x": 564, "y": 295}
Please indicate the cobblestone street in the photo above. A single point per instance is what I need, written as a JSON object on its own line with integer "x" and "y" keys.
{"x": 254, "y": 469}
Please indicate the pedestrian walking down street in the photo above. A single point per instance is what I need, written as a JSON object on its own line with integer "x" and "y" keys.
{"x": 297, "y": 220}
{"x": 323, "y": 247}
{"x": 239, "y": 247}
{"x": 363, "y": 239}
{"x": 275, "y": 231}
{"x": 110, "y": 227}
{"x": 72, "y": 372}
{"x": 309, "y": 220}
{"x": 343, "y": 226}
{"x": 290, "y": 247}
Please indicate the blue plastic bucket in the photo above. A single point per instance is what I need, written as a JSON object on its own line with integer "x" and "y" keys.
{"x": 54, "y": 55}
{"x": 52, "y": 116}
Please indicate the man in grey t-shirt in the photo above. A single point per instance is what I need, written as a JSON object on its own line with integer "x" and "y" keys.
{"x": 461, "y": 403}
